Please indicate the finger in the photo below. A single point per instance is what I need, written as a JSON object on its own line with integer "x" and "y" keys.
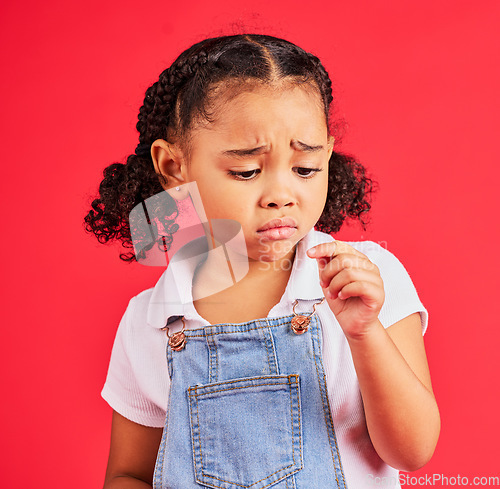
{"x": 323, "y": 251}
{"x": 350, "y": 275}
{"x": 345, "y": 261}
{"x": 328, "y": 250}
{"x": 368, "y": 292}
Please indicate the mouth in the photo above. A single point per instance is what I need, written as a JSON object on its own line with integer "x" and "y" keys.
{"x": 278, "y": 229}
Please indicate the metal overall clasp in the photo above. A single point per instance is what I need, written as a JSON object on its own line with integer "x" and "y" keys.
{"x": 177, "y": 341}
{"x": 300, "y": 322}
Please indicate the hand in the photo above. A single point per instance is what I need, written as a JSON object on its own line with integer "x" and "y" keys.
{"x": 352, "y": 286}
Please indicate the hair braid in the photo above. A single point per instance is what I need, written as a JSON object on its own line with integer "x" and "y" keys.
{"x": 323, "y": 80}
{"x": 158, "y": 110}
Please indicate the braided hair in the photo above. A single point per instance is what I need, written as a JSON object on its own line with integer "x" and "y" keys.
{"x": 183, "y": 94}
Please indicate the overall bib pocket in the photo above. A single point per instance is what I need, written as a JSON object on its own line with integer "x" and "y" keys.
{"x": 246, "y": 433}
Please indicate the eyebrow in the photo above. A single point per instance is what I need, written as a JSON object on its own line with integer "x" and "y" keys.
{"x": 246, "y": 151}
{"x": 306, "y": 148}
{"x": 295, "y": 144}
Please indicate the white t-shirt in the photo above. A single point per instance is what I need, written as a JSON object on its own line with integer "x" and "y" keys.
{"x": 137, "y": 383}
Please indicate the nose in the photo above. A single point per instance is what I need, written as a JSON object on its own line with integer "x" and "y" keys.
{"x": 277, "y": 194}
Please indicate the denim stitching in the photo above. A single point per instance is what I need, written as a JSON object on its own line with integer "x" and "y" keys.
{"x": 277, "y": 377}
{"x": 236, "y": 331}
{"x": 290, "y": 482}
{"x": 196, "y": 395}
{"x": 199, "y": 437}
{"x": 213, "y": 360}
{"x": 267, "y": 351}
{"x": 210, "y": 357}
{"x": 256, "y": 482}
{"x": 235, "y": 388}
{"x": 280, "y": 322}
{"x": 158, "y": 472}
{"x": 191, "y": 427}
{"x": 216, "y": 359}
{"x": 297, "y": 384}
{"x": 271, "y": 351}
{"x": 331, "y": 421}
{"x": 291, "y": 421}
{"x": 328, "y": 420}
{"x": 324, "y": 411}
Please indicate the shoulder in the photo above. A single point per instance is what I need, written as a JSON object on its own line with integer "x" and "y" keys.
{"x": 378, "y": 254}
{"x": 389, "y": 265}
{"x": 401, "y": 297}
{"x": 139, "y": 303}
{"x": 134, "y": 326}
{"x": 137, "y": 306}
{"x": 137, "y": 382}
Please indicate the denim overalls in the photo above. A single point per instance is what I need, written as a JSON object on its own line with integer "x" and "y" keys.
{"x": 248, "y": 408}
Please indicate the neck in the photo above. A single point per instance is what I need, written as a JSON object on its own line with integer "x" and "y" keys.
{"x": 216, "y": 273}
{"x": 269, "y": 268}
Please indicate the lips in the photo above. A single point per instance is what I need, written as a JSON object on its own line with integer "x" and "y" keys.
{"x": 278, "y": 223}
{"x": 277, "y": 229}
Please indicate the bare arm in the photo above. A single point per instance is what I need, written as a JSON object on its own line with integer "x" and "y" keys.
{"x": 401, "y": 412}
{"x": 132, "y": 454}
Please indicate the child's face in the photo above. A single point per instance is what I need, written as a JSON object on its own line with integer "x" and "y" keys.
{"x": 255, "y": 163}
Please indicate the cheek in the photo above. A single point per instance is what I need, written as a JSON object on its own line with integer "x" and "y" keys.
{"x": 315, "y": 193}
{"x": 211, "y": 193}
{"x": 221, "y": 203}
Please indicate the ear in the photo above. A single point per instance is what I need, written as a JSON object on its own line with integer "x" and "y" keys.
{"x": 331, "y": 141}
{"x": 169, "y": 163}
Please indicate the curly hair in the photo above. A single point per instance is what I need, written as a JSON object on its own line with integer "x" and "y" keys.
{"x": 183, "y": 94}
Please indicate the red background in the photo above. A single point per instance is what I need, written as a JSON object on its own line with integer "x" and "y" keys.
{"x": 418, "y": 87}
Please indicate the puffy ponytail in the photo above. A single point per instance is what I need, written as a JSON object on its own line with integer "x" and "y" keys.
{"x": 122, "y": 188}
{"x": 349, "y": 190}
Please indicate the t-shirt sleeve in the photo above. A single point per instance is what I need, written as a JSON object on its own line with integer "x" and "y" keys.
{"x": 401, "y": 297}
{"x": 129, "y": 388}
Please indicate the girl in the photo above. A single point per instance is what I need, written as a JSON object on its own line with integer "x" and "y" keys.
{"x": 307, "y": 372}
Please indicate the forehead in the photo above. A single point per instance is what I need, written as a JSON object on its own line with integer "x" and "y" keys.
{"x": 259, "y": 111}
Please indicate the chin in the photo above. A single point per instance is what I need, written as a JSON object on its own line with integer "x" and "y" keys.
{"x": 274, "y": 251}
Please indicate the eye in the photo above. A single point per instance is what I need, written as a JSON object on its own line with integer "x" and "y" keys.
{"x": 306, "y": 172}
{"x": 243, "y": 175}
